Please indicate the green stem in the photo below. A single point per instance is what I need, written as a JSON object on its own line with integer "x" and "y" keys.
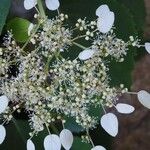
{"x": 79, "y": 45}
{"x": 30, "y": 37}
{"x": 88, "y": 134}
{"x": 41, "y": 9}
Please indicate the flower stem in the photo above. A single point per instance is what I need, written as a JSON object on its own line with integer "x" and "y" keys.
{"x": 41, "y": 9}
{"x": 79, "y": 45}
{"x": 88, "y": 134}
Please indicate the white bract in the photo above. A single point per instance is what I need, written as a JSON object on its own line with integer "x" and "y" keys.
{"x": 30, "y": 145}
{"x": 52, "y": 142}
{"x": 147, "y": 47}
{"x": 30, "y": 28}
{"x": 86, "y": 54}
{"x": 109, "y": 122}
{"x": 102, "y": 10}
{"x": 29, "y": 4}
{"x": 98, "y": 147}
{"x": 66, "y": 139}
{"x": 106, "y": 18}
{"x": 50, "y": 4}
{"x": 2, "y": 133}
{"x": 144, "y": 98}
{"x": 3, "y": 103}
{"x": 124, "y": 108}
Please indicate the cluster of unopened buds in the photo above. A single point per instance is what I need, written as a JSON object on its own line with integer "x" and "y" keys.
{"x": 51, "y": 87}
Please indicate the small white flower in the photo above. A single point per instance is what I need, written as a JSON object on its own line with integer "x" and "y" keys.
{"x": 30, "y": 28}
{"x": 2, "y": 133}
{"x": 52, "y": 4}
{"x": 124, "y": 108}
{"x": 102, "y": 10}
{"x": 52, "y": 142}
{"x": 144, "y": 98}
{"x": 109, "y": 122}
{"x": 86, "y": 54}
{"x": 29, "y": 4}
{"x": 66, "y": 138}
{"x": 30, "y": 145}
{"x": 3, "y": 103}
{"x": 147, "y": 47}
{"x": 98, "y": 147}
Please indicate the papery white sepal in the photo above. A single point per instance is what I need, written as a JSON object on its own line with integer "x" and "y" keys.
{"x": 86, "y": 54}
{"x": 147, "y": 47}
{"x": 29, "y": 4}
{"x": 104, "y": 24}
{"x": 144, "y": 98}
{"x": 2, "y": 133}
{"x": 102, "y": 10}
{"x": 30, "y": 145}
{"x": 3, "y": 103}
{"x": 30, "y": 28}
{"x": 98, "y": 147}
{"x": 52, "y": 4}
{"x": 66, "y": 138}
{"x": 124, "y": 108}
{"x": 109, "y": 122}
{"x": 52, "y": 142}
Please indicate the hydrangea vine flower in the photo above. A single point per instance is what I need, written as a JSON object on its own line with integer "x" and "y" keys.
{"x": 52, "y": 88}
{"x": 66, "y": 138}
{"x": 144, "y": 98}
{"x": 50, "y": 4}
{"x": 2, "y": 133}
{"x": 52, "y": 142}
{"x": 3, "y": 103}
{"x": 105, "y": 19}
{"x": 30, "y": 145}
{"x": 98, "y": 147}
{"x": 147, "y": 47}
{"x": 109, "y": 122}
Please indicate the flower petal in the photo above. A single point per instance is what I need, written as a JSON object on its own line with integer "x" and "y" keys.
{"x": 52, "y": 4}
{"x": 86, "y": 54}
{"x": 104, "y": 24}
{"x": 30, "y": 28}
{"x": 109, "y": 122}
{"x": 3, "y": 103}
{"x": 147, "y": 47}
{"x": 66, "y": 138}
{"x": 124, "y": 108}
{"x": 144, "y": 98}
{"x": 102, "y": 10}
{"x": 2, "y": 133}
{"x": 98, "y": 147}
{"x": 30, "y": 145}
{"x": 52, "y": 142}
{"x": 29, "y": 4}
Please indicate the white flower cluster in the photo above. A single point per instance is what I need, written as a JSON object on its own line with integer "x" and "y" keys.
{"x": 50, "y": 87}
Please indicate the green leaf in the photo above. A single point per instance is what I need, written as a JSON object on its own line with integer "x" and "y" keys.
{"x": 78, "y": 145}
{"x": 4, "y": 9}
{"x": 19, "y": 29}
{"x": 72, "y": 125}
{"x": 137, "y": 8}
{"x": 16, "y": 135}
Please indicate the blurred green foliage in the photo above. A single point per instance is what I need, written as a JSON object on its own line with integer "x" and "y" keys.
{"x": 4, "y": 10}
{"x": 19, "y": 29}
